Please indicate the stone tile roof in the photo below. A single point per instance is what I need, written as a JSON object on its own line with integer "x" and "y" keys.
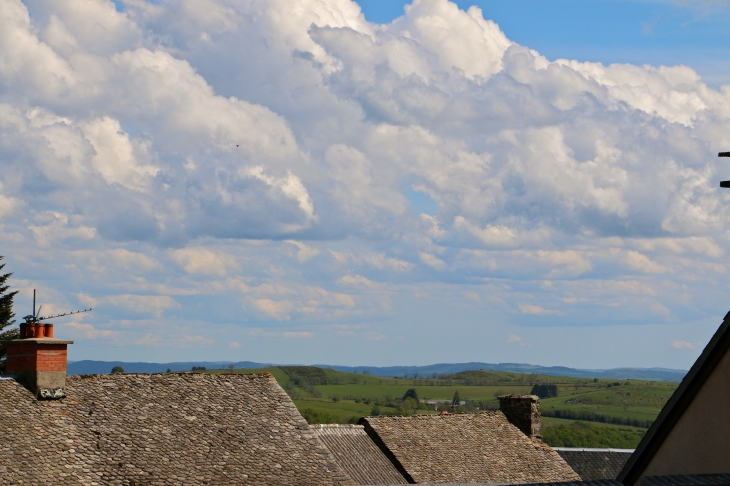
{"x": 358, "y": 455}
{"x": 595, "y": 463}
{"x": 466, "y": 448}
{"x": 176, "y": 428}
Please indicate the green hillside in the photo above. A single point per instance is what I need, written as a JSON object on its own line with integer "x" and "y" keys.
{"x": 585, "y": 412}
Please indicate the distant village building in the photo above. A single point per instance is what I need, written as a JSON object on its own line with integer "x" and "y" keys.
{"x": 436, "y": 403}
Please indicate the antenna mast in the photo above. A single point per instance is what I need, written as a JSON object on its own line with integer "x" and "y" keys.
{"x": 35, "y": 318}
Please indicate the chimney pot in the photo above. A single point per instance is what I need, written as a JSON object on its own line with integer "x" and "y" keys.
{"x": 48, "y": 330}
{"x": 523, "y": 411}
{"x": 39, "y": 330}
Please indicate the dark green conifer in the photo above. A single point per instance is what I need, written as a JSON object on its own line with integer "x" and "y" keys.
{"x": 6, "y": 316}
{"x": 456, "y": 401}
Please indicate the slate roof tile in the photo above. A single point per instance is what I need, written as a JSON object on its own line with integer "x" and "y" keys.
{"x": 358, "y": 455}
{"x": 686, "y": 480}
{"x": 467, "y": 448}
{"x": 595, "y": 464}
{"x": 176, "y": 428}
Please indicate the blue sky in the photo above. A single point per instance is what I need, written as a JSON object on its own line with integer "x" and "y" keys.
{"x": 368, "y": 184}
{"x": 608, "y": 31}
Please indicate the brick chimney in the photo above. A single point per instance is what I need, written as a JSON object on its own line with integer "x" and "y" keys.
{"x": 38, "y": 360}
{"x": 523, "y": 411}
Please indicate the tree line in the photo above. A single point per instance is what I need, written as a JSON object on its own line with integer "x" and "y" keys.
{"x": 6, "y": 317}
{"x": 545, "y": 391}
{"x": 596, "y": 417}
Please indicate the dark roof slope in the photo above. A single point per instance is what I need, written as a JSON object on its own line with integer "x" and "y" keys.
{"x": 686, "y": 480}
{"x": 161, "y": 429}
{"x": 593, "y": 464}
{"x": 358, "y": 455}
{"x": 677, "y": 404}
{"x": 592, "y": 482}
{"x": 465, "y": 448}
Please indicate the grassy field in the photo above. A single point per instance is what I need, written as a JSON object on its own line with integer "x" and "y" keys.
{"x": 588, "y": 434}
{"x": 433, "y": 392}
{"x": 548, "y": 422}
{"x": 641, "y": 400}
{"x": 587, "y": 405}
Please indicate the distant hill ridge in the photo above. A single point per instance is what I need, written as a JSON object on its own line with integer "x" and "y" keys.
{"x": 659, "y": 374}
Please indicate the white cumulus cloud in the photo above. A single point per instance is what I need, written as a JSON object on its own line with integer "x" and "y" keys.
{"x": 290, "y": 168}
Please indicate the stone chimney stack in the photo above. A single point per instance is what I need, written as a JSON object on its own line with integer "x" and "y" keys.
{"x": 38, "y": 360}
{"x": 523, "y": 411}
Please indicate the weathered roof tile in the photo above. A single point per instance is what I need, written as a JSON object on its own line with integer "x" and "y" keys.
{"x": 467, "y": 448}
{"x": 175, "y": 428}
{"x": 358, "y": 455}
{"x": 595, "y": 463}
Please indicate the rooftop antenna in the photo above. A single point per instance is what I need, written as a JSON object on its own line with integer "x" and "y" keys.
{"x": 36, "y": 317}
{"x": 724, "y": 183}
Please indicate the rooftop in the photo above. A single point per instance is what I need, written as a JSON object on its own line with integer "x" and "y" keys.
{"x": 358, "y": 455}
{"x": 593, "y": 464}
{"x": 176, "y": 428}
{"x": 466, "y": 448}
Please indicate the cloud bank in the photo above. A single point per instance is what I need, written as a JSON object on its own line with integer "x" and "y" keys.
{"x": 244, "y": 171}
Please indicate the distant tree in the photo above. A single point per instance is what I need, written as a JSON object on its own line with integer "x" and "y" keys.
{"x": 6, "y": 317}
{"x": 375, "y": 411}
{"x": 366, "y": 372}
{"x": 410, "y": 404}
{"x": 545, "y": 391}
{"x": 411, "y": 393}
{"x": 231, "y": 366}
{"x": 169, "y": 370}
{"x": 198, "y": 368}
{"x": 456, "y": 400}
{"x": 117, "y": 370}
{"x": 318, "y": 417}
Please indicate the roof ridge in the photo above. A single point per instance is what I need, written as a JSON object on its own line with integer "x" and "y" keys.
{"x": 352, "y": 426}
{"x": 437, "y": 416}
{"x": 263, "y": 374}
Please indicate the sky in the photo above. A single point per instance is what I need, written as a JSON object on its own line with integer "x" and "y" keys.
{"x": 383, "y": 183}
